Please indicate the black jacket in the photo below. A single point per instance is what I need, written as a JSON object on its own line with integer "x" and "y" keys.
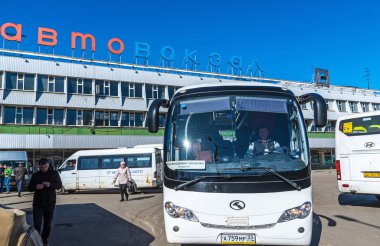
{"x": 46, "y": 196}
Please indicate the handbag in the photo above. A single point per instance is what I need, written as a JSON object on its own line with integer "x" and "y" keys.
{"x": 131, "y": 187}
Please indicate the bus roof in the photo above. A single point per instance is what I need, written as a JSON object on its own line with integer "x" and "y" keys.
{"x": 13, "y": 156}
{"x": 158, "y": 146}
{"x": 358, "y": 115}
{"x": 120, "y": 151}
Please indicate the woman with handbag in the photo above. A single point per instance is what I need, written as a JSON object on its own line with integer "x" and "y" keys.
{"x": 123, "y": 175}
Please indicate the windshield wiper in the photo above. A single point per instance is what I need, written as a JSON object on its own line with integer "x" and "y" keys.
{"x": 197, "y": 179}
{"x": 271, "y": 171}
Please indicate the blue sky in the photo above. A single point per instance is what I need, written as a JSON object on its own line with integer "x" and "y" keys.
{"x": 287, "y": 38}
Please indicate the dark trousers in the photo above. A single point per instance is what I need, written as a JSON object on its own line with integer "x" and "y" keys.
{"x": 1, "y": 184}
{"x": 44, "y": 213}
{"x": 123, "y": 191}
{"x": 19, "y": 185}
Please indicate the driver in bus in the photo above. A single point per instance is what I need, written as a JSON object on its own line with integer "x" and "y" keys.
{"x": 264, "y": 145}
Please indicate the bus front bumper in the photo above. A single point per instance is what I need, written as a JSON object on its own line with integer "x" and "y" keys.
{"x": 286, "y": 233}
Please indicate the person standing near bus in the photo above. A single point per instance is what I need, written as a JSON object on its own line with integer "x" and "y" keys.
{"x": 20, "y": 173}
{"x": 123, "y": 175}
{"x": 7, "y": 177}
{"x": 44, "y": 183}
{"x": 1, "y": 178}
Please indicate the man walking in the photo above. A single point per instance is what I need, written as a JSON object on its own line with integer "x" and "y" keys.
{"x": 1, "y": 178}
{"x": 44, "y": 183}
{"x": 20, "y": 173}
{"x": 7, "y": 177}
{"x": 123, "y": 175}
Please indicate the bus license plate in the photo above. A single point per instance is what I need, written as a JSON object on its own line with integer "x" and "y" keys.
{"x": 238, "y": 239}
{"x": 372, "y": 175}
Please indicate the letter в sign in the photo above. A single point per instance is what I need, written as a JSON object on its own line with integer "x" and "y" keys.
{"x": 215, "y": 59}
{"x": 83, "y": 37}
{"x": 142, "y": 50}
{"x": 236, "y": 62}
{"x": 17, "y": 27}
{"x": 47, "y": 36}
{"x": 167, "y": 53}
{"x": 112, "y": 50}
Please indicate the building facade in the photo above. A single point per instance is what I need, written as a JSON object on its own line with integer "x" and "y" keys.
{"x": 52, "y": 106}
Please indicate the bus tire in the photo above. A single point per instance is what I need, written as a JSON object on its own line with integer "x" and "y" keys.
{"x": 71, "y": 191}
{"x": 377, "y": 197}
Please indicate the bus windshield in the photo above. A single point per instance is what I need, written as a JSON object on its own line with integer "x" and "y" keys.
{"x": 368, "y": 125}
{"x": 234, "y": 135}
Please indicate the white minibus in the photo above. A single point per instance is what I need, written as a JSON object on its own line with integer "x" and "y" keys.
{"x": 95, "y": 169}
{"x": 358, "y": 153}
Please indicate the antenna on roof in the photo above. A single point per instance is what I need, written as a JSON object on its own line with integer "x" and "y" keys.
{"x": 367, "y": 75}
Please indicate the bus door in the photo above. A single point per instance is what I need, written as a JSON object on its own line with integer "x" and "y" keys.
{"x": 68, "y": 174}
{"x": 159, "y": 168}
{"x": 88, "y": 172}
{"x": 141, "y": 169}
{"x": 108, "y": 167}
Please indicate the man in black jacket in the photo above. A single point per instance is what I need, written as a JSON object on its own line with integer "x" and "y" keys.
{"x": 44, "y": 183}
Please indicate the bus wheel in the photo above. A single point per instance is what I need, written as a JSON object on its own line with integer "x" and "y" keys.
{"x": 70, "y": 191}
{"x": 377, "y": 197}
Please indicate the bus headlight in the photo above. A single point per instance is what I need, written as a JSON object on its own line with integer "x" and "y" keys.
{"x": 299, "y": 212}
{"x": 180, "y": 212}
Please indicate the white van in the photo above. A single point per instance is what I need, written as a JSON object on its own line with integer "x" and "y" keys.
{"x": 95, "y": 169}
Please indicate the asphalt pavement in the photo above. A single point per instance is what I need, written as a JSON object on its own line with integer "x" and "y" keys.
{"x": 98, "y": 218}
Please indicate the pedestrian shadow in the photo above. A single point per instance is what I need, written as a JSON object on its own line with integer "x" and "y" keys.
{"x": 316, "y": 233}
{"x": 358, "y": 200}
{"x": 90, "y": 224}
{"x": 139, "y": 198}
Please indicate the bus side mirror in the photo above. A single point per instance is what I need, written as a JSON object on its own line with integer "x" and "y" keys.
{"x": 153, "y": 114}
{"x": 320, "y": 108}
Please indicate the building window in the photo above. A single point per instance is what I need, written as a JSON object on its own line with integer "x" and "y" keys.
{"x": 106, "y": 88}
{"x": 172, "y": 90}
{"x": 330, "y": 105}
{"x": 330, "y": 126}
{"x": 154, "y": 91}
{"x": 79, "y": 117}
{"x": 353, "y": 107}
{"x": 50, "y": 83}
{"x": 106, "y": 118}
{"x": 18, "y": 115}
{"x": 49, "y": 116}
{"x": 376, "y": 106}
{"x": 365, "y": 106}
{"x": 20, "y": 81}
{"x": 1, "y": 79}
{"x": 131, "y": 119}
{"x": 79, "y": 86}
{"x": 341, "y": 105}
{"x": 316, "y": 129}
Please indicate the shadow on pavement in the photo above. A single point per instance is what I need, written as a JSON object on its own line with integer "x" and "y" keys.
{"x": 358, "y": 200}
{"x": 356, "y": 221}
{"x": 89, "y": 224}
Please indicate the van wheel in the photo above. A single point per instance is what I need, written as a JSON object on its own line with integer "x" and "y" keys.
{"x": 70, "y": 191}
{"x": 60, "y": 191}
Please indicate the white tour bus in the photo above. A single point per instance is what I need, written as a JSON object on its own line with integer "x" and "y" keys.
{"x": 95, "y": 169}
{"x": 357, "y": 146}
{"x": 224, "y": 185}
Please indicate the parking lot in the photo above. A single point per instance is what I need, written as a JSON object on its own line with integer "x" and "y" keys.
{"x": 98, "y": 218}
